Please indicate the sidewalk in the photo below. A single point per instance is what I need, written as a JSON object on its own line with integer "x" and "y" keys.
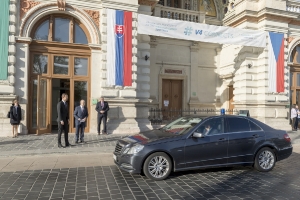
{"x": 47, "y": 144}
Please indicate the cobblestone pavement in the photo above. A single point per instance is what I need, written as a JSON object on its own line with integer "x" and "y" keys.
{"x": 47, "y": 144}
{"x": 108, "y": 182}
{"x": 68, "y": 174}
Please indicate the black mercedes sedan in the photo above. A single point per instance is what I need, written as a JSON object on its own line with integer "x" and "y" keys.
{"x": 191, "y": 142}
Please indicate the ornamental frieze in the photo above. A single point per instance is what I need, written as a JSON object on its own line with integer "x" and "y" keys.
{"x": 94, "y": 15}
{"x": 25, "y": 6}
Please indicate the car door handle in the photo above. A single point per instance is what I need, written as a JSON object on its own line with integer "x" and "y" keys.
{"x": 222, "y": 139}
{"x": 255, "y": 135}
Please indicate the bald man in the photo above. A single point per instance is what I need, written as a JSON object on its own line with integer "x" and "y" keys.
{"x": 81, "y": 114}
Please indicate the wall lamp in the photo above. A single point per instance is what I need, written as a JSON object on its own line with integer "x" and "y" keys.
{"x": 146, "y": 57}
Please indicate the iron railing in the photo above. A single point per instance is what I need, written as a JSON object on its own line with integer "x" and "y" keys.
{"x": 163, "y": 116}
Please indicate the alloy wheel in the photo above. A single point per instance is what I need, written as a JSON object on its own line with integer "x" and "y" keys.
{"x": 158, "y": 166}
{"x": 266, "y": 159}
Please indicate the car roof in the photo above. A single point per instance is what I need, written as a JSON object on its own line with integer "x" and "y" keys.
{"x": 259, "y": 123}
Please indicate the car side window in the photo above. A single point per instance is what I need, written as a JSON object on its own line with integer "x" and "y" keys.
{"x": 254, "y": 127}
{"x": 212, "y": 127}
{"x": 237, "y": 124}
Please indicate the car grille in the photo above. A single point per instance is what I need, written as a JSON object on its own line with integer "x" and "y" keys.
{"x": 118, "y": 148}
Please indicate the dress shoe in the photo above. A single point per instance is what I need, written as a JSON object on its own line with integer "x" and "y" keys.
{"x": 76, "y": 142}
{"x": 81, "y": 141}
{"x": 60, "y": 146}
{"x": 98, "y": 133}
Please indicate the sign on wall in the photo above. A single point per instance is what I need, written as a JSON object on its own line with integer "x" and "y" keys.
{"x": 170, "y": 28}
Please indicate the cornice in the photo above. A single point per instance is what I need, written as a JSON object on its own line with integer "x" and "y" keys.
{"x": 151, "y": 3}
{"x": 261, "y": 15}
{"x": 121, "y": 6}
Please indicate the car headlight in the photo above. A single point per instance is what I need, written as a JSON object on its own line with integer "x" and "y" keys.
{"x": 133, "y": 150}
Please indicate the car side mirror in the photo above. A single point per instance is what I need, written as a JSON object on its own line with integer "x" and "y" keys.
{"x": 198, "y": 135}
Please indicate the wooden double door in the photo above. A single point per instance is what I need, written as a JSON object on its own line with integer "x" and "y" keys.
{"x": 295, "y": 86}
{"x": 171, "y": 98}
{"x": 51, "y": 75}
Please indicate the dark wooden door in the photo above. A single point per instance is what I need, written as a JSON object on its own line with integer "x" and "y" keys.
{"x": 171, "y": 98}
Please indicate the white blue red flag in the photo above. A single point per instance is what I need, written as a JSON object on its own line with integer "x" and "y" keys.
{"x": 276, "y": 62}
{"x": 119, "y": 48}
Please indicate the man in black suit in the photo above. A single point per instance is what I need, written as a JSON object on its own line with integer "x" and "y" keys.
{"x": 102, "y": 108}
{"x": 80, "y": 114}
{"x": 63, "y": 119}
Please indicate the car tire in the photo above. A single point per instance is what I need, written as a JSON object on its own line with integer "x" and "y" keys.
{"x": 265, "y": 160}
{"x": 157, "y": 166}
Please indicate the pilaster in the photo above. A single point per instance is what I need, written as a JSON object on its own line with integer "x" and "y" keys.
{"x": 194, "y": 100}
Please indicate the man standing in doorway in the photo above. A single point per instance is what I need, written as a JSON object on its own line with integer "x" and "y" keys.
{"x": 80, "y": 114}
{"x": 102, "y": 108}
{"x": 63, "y": 119}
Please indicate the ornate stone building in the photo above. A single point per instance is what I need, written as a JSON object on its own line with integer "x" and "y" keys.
{"x": 58, "y": 46}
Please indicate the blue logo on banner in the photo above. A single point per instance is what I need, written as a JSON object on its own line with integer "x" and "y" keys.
{"x": 198, "y": 32}
{"x": 188, "y": 31}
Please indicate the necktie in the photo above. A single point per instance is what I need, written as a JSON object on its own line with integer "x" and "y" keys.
{"x": 102, "y": 104}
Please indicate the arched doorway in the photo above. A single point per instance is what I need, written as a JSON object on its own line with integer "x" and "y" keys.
{"x": 59, "y": 63}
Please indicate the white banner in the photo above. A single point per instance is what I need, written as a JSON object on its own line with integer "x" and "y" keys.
{"x": 199, "y": 32}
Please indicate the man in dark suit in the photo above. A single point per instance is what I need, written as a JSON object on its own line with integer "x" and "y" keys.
{"x": 63, "y": 119}
{"x": 102, "y": 108}
{"x": 80, "y": 114}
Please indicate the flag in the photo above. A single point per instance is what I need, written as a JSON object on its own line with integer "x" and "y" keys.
{"x": 276, "y": 62}
{"x": 119, "y": 48}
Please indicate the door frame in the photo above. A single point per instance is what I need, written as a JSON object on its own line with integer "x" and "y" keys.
{"x": 51, "y": 50}
{"x": 173, "y": 77}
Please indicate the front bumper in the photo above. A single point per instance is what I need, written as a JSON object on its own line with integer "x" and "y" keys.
{"x": 129, "y": 163}
{"x": 284, "y": 153}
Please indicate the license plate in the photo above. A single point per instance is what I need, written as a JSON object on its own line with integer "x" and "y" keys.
{"x": 115, "y": 157}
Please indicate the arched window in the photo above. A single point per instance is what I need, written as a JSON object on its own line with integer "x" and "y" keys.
{"x": 60, "y": 29}
{"x": 295, "y": 57}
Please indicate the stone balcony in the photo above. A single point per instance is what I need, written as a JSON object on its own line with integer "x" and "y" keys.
{"x": 179, "y": 14}
{"x": 293, "y": 6}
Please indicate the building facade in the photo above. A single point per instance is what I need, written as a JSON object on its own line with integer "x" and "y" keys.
{"x": 58, "y": 46}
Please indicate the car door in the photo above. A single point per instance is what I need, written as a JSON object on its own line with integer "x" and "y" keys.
{"x": 244, "y": 137}
{"x": 211, "y": 149}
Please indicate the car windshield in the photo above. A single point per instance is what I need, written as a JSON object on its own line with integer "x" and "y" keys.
{"x": 181, "y": 125}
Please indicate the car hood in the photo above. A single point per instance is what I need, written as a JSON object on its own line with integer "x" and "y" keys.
{"x": 149, "y": 137}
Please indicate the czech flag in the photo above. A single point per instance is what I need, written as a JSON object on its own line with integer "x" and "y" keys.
{"x": 119, "y": 48}
{"x": 276, "y": 62}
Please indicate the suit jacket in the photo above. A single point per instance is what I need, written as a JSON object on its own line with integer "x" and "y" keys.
{"x": 78, "y": 114}
{"x": 62, "y": 112}
{"x": 105, "y": 108}
{"x": 15, "y": 115}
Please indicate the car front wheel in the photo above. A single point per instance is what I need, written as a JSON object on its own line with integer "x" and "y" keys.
{"x": 265, "y": 160}
{"x": 157, "y": 166}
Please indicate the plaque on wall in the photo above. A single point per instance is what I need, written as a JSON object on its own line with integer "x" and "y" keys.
{"x": 173, "y": 71}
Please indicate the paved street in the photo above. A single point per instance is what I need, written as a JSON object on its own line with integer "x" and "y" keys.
{"x": 86, "y": 171}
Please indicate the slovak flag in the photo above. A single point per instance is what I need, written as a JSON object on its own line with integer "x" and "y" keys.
{"x": 119, "y": 48}
{"x": 276, "y": 62}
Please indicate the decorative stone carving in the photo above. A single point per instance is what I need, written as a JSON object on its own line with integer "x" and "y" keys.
{"x": 61, "y": 4}
{"x": 290, "y": 39}
{"x": 94, "y": 15}
{"x": 25, "y": 6}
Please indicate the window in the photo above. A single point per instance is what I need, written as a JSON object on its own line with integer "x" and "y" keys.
{"x": 79, "y": 36}
{"x": 61, "y": 29}
{"x": 42, "y": 31}
{"x": 238, "y": 124}
{"x": 254, "y": 127}
{"x": 212, "y": 127}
